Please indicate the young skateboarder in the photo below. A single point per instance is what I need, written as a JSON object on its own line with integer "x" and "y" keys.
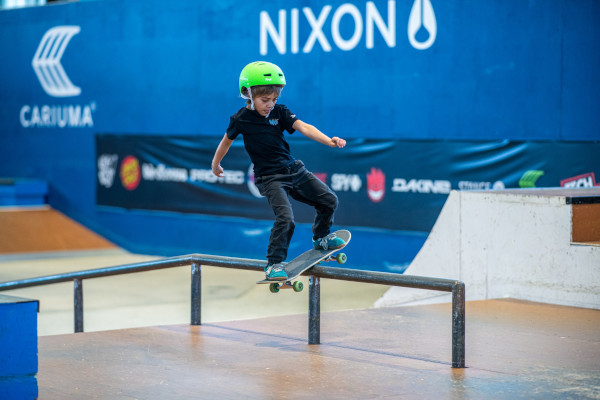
{"x": 277, "y": 174}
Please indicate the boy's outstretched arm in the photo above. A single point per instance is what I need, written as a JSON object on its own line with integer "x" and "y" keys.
{"x": 313, "y": 133}
{"x": 222, "y": 149}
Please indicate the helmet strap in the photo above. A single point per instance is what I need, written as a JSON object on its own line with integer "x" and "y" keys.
{"x": 251, "y": 99}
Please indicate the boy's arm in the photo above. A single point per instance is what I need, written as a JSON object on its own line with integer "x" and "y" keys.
{"x": 313, "y": 133}
{"x": 222, "y": 149}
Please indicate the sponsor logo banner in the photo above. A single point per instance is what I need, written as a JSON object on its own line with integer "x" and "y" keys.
{"x": 398, "y": 185}
{"x": 580, "y": 181}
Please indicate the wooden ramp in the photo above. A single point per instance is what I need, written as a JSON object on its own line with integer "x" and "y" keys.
{"x": 515, "y": 350}
{"x": 43, "y": 229}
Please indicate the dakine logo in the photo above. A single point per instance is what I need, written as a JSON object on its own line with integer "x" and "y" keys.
{"x": 421, "y": 186}
{"x": 46, "y": 62}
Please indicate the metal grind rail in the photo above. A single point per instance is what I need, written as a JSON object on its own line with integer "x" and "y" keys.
{"x": 315, "y": 274}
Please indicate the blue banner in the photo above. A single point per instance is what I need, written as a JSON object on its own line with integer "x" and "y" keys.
{"x": 391, "y": 184}
{"x": 432, "y": 95}
{"x": 423, "y": 69}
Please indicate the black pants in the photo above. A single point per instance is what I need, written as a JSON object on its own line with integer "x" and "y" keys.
{"x": 301, "y": 185}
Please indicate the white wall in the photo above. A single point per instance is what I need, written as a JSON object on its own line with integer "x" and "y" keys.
{"x": 506, "y": 244}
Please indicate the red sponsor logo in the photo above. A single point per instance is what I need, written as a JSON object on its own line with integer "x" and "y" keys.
{"x": 322, "y": 176}
{"x": 580, "y": 181}
{"x": 130, "y": 173}
{"x": 376, "y": 185}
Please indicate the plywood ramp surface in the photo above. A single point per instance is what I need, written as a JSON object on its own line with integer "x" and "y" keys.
{"x": 515, "y": 350}
{"x": 24, "y": 230}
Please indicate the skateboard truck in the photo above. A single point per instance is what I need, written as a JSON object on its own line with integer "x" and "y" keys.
{"x": 307, "y": 260}
{"x": 297, "y": 286}
{"x": 340, "y": 258}
{"x": 277, "y": 286}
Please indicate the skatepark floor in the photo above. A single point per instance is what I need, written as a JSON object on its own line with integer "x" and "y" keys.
{"x": 514, "y": 350}
{"x": 252, "y": 344}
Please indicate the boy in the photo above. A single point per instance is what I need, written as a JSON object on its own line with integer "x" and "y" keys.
{"x": 277, "y": 174}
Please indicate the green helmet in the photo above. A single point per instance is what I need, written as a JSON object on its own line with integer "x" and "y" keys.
{"x": 261, "y": 73}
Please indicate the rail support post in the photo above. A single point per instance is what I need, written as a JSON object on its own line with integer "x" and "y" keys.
{"x": 458, "y": 325}
{"x": 78, "y": 304}
{"x": 196, "y": 294}
{"x": 314, "y": 310}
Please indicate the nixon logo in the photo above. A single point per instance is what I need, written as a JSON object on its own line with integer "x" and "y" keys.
{"x": 46, "y": 62}
{"x": 422, "y": 26}
{"x": 288, "y": 26}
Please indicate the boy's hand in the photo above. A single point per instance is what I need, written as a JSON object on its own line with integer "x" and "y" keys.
{"x": 217, "y": 170}
{"x": 337, "y": 142}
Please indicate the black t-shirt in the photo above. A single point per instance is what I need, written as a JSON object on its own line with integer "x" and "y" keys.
{"x": 263, "y": 137}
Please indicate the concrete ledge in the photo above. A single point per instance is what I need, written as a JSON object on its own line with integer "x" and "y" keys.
{"x": 512, "y": 243}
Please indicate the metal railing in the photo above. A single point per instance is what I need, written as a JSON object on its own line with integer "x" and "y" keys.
{"x": 315, "y": 274}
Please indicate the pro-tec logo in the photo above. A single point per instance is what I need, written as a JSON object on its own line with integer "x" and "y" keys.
{"x": 580, "y": 181}
{"x": 46, "y": 62}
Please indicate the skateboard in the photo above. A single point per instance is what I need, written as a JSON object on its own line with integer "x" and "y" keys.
{"x": 304, "y": 261}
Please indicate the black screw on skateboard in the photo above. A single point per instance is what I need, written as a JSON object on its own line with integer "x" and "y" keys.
{"x": 306, "y": 260}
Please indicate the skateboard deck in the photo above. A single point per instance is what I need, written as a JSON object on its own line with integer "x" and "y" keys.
{"x": 305, "y": 261}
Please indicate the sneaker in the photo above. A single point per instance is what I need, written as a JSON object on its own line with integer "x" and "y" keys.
{"x": 275, "y": 272}
{"x": 329, "y": 242}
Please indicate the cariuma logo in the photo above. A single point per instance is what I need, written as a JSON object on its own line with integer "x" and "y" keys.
{"x": 46, "y": 62}
{"x": 47, "y": 66}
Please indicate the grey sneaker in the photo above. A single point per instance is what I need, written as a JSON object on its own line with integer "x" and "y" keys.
{"x": 275, "y": 272}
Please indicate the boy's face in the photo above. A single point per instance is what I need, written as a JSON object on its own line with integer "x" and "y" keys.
{"x": 263, "y": 104}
